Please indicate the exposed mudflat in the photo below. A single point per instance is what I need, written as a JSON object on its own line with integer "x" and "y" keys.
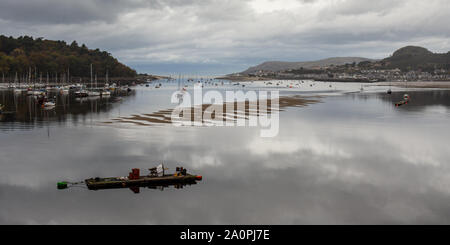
{"x": 216, "y": 112}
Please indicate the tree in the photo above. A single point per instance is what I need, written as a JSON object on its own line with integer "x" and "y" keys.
{"x": 18, "y": 54}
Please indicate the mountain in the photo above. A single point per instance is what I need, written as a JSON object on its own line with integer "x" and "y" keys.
{"x": 415, "y": 58}
{"x": 20, "y": 55}
{"x": 276, "y": 66}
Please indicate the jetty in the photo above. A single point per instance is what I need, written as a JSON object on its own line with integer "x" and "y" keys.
{"x": 157, "y": 178}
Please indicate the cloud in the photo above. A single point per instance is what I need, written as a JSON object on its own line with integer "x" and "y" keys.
{"x": 233, "y": 33}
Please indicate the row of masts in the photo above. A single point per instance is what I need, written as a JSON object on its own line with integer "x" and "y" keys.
{"x": 28, "y": 78}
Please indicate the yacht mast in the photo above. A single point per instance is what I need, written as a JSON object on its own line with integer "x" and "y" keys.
{"x": 91, "y": 75}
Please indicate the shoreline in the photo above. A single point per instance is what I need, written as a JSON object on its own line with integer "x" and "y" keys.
{"x": 100, "y": 81}
{"x": 403, "y": 84}
{"x": 416, "y": 84}
{"x": 243, "y": 78}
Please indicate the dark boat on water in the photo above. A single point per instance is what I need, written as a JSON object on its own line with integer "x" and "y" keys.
{"x": 405, "y": 101}
{"x": 157, "y": 178}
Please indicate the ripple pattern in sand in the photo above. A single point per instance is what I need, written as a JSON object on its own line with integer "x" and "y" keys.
{"x": 219, "y": 114}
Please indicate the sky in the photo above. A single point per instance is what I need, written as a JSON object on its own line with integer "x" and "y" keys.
{"x": 213, "y": 37}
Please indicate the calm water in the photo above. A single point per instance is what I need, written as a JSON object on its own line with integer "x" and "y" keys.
{"x": 353, "y": 158}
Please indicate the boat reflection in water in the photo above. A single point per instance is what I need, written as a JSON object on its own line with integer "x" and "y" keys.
{"x": 136, "y": 187}
{"x": 30, "y": 109}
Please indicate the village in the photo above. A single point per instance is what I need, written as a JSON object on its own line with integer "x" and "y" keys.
{"x": 354, "y": 73}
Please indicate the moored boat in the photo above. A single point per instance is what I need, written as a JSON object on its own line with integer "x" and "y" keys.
{"x": 49, "y": 104}
{"x": 81, "y": 93}
{"x": 156, "y": 178}
{"x": 93, "y": 93}
{"x": 105, "y": 93}
{"x": 405, "y": 101}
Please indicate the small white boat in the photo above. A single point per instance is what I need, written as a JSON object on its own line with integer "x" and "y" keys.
{"x": 93, "y": 93}
{"x": 105, "y": 93}
{"x": 52, "y": 89}
{"x": 49, "y": 104}
{"x": 64, "y": 91}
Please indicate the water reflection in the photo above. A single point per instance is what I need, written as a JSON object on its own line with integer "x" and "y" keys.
{"x": 353, "y": 159}
{"x": 24, "y": 111}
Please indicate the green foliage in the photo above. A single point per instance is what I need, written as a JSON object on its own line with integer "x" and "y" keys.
{"x": 21, "y": 54}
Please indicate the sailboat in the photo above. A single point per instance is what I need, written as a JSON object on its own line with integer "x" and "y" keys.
{"x": 389, "y": 91}
{"x": 15, "y": 88}
{"x": 49, "y": 104}
{"x": 93, "y": 93}
{"x": 64, "y": 90}
{"x": 105, "y": 91}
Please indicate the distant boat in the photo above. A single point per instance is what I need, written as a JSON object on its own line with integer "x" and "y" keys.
{"x": 49, "y": 104}
{"x": 37, "y": 92}
{"x": 81, "y": 93}
{"x": 52, "y": 89}
{"x": 112, "y": 87}
{"x": 405, "y": 101}
{"x": 93, "y": 93}
{"x": 105, "y": 93}
{"x": 64, "y": 90}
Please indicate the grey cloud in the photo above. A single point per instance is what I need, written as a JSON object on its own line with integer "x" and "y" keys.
{"x": 57, "y": 12}
{"x": 80, "y": 11}
{"x": 218, "y": 32}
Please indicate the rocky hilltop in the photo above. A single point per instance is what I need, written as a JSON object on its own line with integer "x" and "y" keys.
{"x": 416, "y": 58}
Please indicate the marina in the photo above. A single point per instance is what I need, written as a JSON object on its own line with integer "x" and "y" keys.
{"x": 237, "y": 116}
{"x": 322, "y": 147}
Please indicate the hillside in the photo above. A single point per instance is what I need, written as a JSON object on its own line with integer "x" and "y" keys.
{"x": 20, "y": 55}
{"x": 417, "y": 58}
{"x": 276, "y": 66}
